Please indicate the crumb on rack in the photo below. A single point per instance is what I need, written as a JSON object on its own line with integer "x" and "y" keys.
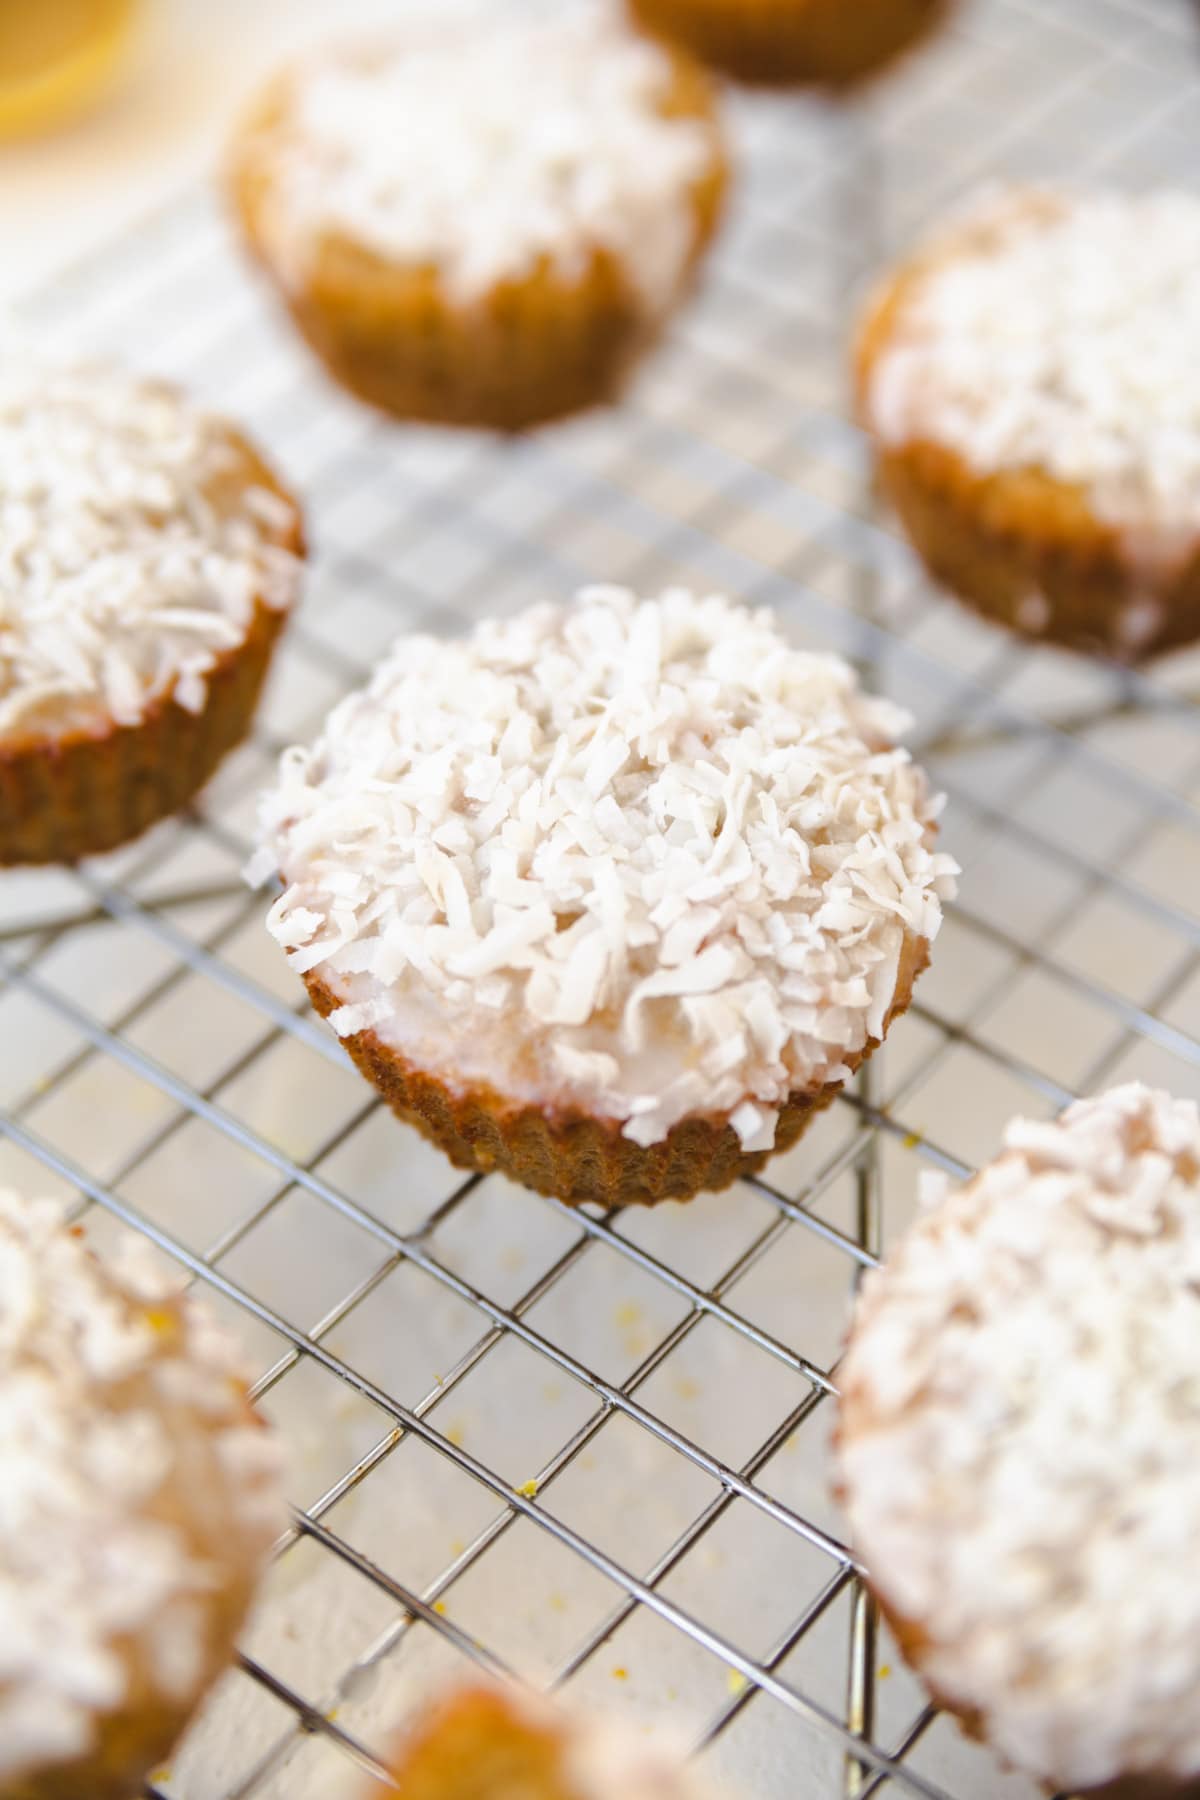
{"x": 528, "y": 1490}
{"x": 736, "y": 1682}
{"x": 911, "y": 1140}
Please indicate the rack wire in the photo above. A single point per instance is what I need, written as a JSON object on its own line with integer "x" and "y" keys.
{"x": 591, "y": 1447}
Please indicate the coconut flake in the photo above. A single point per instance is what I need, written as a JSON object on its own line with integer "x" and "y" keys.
{"x": 120, "y": 578}
{"x": 736, "y": 940}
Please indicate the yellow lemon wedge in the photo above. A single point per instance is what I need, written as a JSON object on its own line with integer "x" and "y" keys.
{"x": 55, "y": 55}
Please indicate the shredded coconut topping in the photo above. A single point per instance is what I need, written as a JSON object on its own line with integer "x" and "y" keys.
{"x": 1057, "y": 332}
{"x": 640, "y": 856}
{"x": 132, "y": 1486}
{"x": 482, "y": 148}
{"x": 135, "y": 539}
{"x": 1021, "y": 1441}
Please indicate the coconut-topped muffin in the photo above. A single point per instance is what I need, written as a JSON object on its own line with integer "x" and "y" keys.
{"x": 147, "y": 559}
{"x": 1030, "y": 378}
{"x": 492, "y": 1744}
{"x": 631, "y": 883}
{"x": 1020, "y": 1445}
{"x": 482, "y": 218}
{"x": 784, "y": 43}
{"x": 139, "y": 1496}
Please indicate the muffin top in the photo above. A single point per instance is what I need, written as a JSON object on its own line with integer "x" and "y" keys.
{"x": 137, "y": 535}
{"x": 1020, "y": 1441}
{"x": 482, "y": 147}
{"x": 1056, "y": 332}
{"x": 515, "y": 1741}
{"x": 638, "y": 856}
{"x": 136, "y": 1487}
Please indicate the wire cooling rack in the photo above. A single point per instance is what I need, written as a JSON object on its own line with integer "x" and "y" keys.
{"x": 591, "y": 1447}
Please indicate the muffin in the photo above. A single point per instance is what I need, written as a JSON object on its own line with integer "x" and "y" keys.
{"x": 483, "y": 223}
{"x": 1030, "y": 382}
{"x": 612, "y": 897}
{"x": 1020, "y": 1447}
{"x": 492, "y": 1744}
{"x": 826, "y": 43}
{"x": 148, "y": 558}
{"x": 140, "y": 1496}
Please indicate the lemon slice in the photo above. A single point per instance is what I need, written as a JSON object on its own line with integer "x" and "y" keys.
{"x": 54, "y": 57}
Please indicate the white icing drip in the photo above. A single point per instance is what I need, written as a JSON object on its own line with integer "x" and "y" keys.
{"x": 482, "y": 148}
{"x": 1058, "y": 332}
{"x": 640, "y": 856}
{"x": 110, "y": 1478}
{"x": 122, "y": 574}
{"x": 1021, "y": 1440}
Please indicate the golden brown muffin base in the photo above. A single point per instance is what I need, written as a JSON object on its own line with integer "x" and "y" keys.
{"x": 79, "y": 791}
{"x": 532, "y": 350}
{"x": 996, "y": 540}
{"x": 477, "y": 1746}
{"x": 571, "y": 1154}
{"x": 785, "y": 43}
{"x": 90, "y": 790}
{"x": 1142, "y": 1787}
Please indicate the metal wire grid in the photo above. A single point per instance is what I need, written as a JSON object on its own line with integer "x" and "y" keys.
{"x": 590, "y": 1446}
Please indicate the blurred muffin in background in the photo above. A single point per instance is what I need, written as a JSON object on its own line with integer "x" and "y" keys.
{"x": 148, "y": 560}
{"x": 487, "y": 219}
{"x": 500, "y": 1744}
{"x": 1019, "y": 1446}
{"x": 784, "y": 43}
{"x": 141, "y": 1495}
{"x": 1030, "y": 380}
